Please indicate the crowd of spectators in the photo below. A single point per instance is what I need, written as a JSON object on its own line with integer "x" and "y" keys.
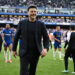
{"x": 16, "y": 20}
{"x": 39, "y": 3}
{"x": 20, "y": 6}
{"x": 57, "y": 20}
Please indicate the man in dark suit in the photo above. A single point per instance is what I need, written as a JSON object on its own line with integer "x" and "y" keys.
{"x": 70, "y": 50}
{"x": 30, "y": 32}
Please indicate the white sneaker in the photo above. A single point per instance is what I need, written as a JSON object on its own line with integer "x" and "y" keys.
{"x": 70, "y": 59}
{"x": 65, "y": 71}
{"x": 73, "y": 72}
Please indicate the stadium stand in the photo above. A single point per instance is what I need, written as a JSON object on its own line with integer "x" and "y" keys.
{"x": 39, "y": 3}
{"x": 51, "y": 12}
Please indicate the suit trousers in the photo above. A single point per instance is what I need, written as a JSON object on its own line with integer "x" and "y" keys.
{"x": 68, "y": 54}
{"x": 28, "y": 64}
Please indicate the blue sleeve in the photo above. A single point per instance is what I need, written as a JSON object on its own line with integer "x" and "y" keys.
{"x": 4, "y": 31}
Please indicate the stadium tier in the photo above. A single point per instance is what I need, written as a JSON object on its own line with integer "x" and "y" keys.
{"x": 51, "y": 12}
{"x": 39, "y": 3}
{"x": 48, "y": 19}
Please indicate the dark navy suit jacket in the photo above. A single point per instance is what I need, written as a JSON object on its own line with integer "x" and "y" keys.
{"x": 40, "y": 31}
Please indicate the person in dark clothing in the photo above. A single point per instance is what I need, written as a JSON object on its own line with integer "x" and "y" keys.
{"x": 0, "y": 42}
{"x": 31, "y": 32}
{"x": 70, "y": 51}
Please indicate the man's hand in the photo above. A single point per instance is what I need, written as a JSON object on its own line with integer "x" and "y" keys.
{"x": 59, "y": 41}
{"x": 4, "y": 43}
{"x": 14, "y": 54}
{"x": 44, "y": 52}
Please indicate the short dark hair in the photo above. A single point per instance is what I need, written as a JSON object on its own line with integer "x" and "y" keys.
{"x": 31, "y": 6}
{"x": 57, "y": 26}
{"x": 7, "y": 24}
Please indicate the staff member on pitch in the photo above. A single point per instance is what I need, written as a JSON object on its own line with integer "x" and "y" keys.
{"x": 31, "y": 32}
{"x": 70, "y": 51}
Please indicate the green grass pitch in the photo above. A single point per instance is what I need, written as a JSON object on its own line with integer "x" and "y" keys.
{"x": 46, "y": 65}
